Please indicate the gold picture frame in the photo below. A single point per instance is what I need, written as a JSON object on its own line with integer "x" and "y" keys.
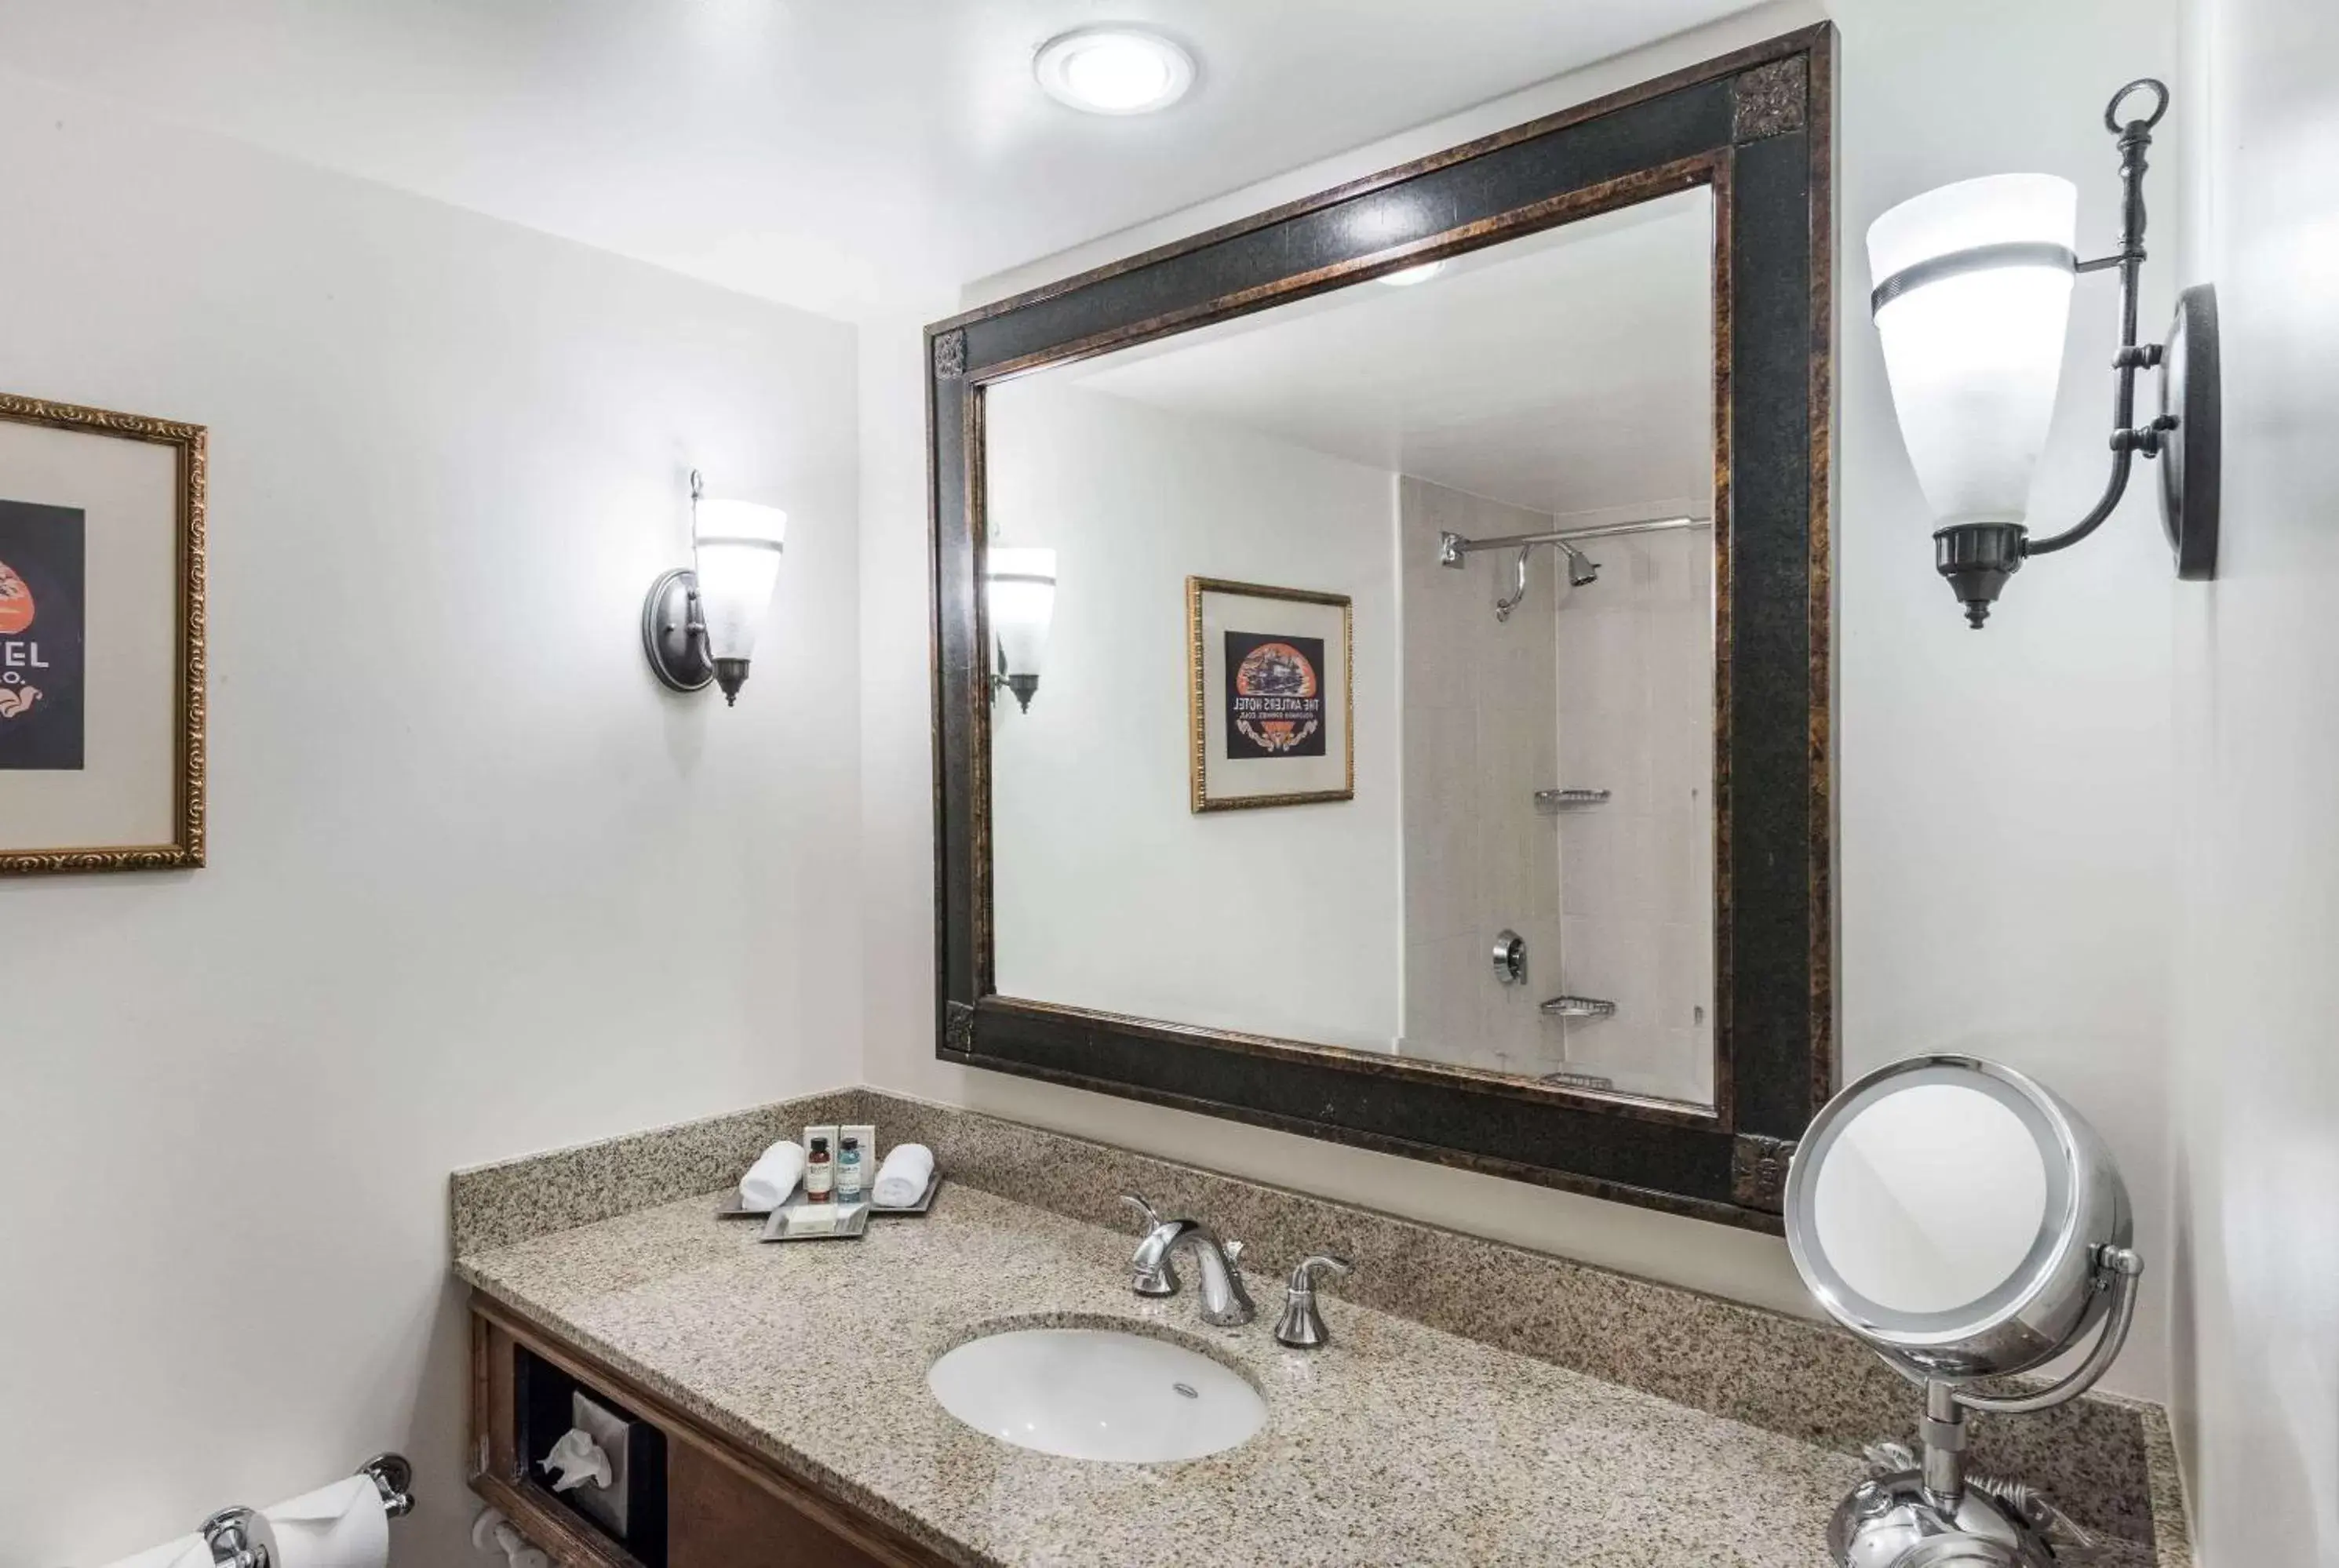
{"x": 1222, "y": 786}
{"x": 163, "y": 817}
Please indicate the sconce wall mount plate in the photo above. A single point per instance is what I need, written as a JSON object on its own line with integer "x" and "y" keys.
{"x": 2191, "y": 479}
{"x": 676, "y": 651}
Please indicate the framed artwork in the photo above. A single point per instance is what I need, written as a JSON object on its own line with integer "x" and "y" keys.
{"x": 1272, "y": 714}
{"x": 101, "y": 640}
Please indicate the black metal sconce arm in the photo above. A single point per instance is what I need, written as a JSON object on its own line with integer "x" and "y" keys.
{"x": 2135, "y": 141}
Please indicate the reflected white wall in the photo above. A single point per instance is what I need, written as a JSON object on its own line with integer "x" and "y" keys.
{"x": 1109, "y": 890}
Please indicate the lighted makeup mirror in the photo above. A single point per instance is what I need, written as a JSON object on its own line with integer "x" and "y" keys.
{"x": 1966, "y": 1224}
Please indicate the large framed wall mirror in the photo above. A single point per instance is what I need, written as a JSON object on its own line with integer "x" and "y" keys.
{"x": 1382, "y": 655}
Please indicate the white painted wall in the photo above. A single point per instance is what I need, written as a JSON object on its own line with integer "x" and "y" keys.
{"x": 1110, "y": 891}
{"x": 2004, "y": 798}
{"x": 2256, "y": 1085}
{"x": 478, "y": 886}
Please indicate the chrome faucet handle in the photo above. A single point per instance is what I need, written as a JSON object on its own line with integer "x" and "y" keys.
{"x": 1159, "y": 1279}
{"x": 1301, "y": 1326}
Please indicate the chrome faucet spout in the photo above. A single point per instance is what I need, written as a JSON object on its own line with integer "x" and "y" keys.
{"x": 1225, "y": 1303}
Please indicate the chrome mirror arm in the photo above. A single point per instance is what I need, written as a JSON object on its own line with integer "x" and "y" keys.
{"x": 2117, "y": 1269}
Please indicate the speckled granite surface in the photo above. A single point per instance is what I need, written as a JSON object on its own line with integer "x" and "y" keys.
{"x": 2108, "y": 1461}
{"x": 1398, "y": 1445}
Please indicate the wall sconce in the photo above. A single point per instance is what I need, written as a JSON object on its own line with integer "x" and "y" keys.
{"x": 1021, "y": 587}
{"x": 699, "y": 622}
{"x": 1974, "y": 296}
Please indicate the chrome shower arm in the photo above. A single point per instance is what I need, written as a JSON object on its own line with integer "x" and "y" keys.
{"x": 1453, "y": 549}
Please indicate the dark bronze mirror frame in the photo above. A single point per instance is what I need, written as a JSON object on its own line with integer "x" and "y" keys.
{"x": 1754, "y": 125}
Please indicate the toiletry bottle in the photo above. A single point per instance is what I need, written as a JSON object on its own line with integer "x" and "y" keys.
{"x": 848, "y": 1171}
{"x": 820, "y": 1173}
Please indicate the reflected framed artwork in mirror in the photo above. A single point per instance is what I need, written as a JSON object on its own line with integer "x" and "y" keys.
{"x": 1534, "y": 437}
{"x": 1270, "y": 699}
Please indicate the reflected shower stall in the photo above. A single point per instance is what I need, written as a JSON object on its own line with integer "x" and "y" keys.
{"x": 1558, "y": 815}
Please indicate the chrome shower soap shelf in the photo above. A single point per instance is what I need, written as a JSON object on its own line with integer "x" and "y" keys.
{"x": 1552, "y": 801}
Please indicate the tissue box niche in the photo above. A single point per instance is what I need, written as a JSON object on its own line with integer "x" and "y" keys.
{"x": 630, "y": 1510}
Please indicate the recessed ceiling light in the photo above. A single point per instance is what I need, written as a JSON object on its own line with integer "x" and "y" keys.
{"x": 1114, "y": 70}
{"x": 1412, "y": 275}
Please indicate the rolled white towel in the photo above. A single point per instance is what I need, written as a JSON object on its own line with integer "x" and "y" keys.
{"x": 901, "y": 1180}
{"x": 773, "y": 1177}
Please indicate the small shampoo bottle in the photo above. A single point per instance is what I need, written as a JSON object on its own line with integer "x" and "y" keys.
{"x": 820, "y": 1174}
{"x": 848, "y": 1171}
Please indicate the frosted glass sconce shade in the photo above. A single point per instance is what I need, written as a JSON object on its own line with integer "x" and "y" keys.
{"x": 1020, "y": 583}
{"x": 737, "y": 544}
{"x": 699, "y": 624}
{"x": 1974, "y": 295}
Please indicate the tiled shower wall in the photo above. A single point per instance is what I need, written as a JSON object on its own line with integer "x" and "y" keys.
{"x": 1479, "y": 702}
{"x": 1635, "y": 693}
{"x": 1606, "y": 686}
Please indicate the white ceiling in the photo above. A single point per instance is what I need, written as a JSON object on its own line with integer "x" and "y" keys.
{"x": 1572, "y": 371}
{"x": 852, "y": 156}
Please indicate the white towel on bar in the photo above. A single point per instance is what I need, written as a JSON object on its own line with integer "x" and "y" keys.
{"x": 901, "y": 1180}
{"x": 773, "y": 1177}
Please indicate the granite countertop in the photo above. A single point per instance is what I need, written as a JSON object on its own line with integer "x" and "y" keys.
{"x": 1397, "y": 1444}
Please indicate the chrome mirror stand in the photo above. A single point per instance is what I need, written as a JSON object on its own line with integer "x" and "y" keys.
{"x": 1962, "y": 1152}
{"x": 1930, "y": 1495}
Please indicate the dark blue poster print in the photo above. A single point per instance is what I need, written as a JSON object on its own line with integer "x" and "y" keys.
{"x": 1275, "y": 696}
{"x": 42, "y": 583}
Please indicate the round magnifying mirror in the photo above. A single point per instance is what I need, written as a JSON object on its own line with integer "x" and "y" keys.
{"x": 1951, "y": 1212}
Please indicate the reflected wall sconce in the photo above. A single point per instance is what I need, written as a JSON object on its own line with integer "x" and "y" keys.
{"x": 699, "y": 622}
{"x": 1973, "y": 300}
{"x": 1020, "y": 585}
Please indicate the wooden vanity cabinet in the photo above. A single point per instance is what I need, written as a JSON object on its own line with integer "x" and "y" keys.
{"x": 727, "y": 1507}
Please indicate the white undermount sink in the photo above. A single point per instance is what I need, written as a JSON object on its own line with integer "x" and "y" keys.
{"x": 1096, "y": 1394}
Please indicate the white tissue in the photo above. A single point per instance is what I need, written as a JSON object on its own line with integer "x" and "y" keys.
{"x": 344, "y": 1525}
{"x": 901, "y": 1180}
{"x": 579, "y": 1459}
{"x": 186, "y": 1551}
{"x": 772, "y": 1177}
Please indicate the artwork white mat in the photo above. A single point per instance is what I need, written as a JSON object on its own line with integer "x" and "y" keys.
{"x": 125, "y": 794}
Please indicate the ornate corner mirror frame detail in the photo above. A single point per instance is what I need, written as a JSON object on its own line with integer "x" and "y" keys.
{"x": 1755, "y": 127}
